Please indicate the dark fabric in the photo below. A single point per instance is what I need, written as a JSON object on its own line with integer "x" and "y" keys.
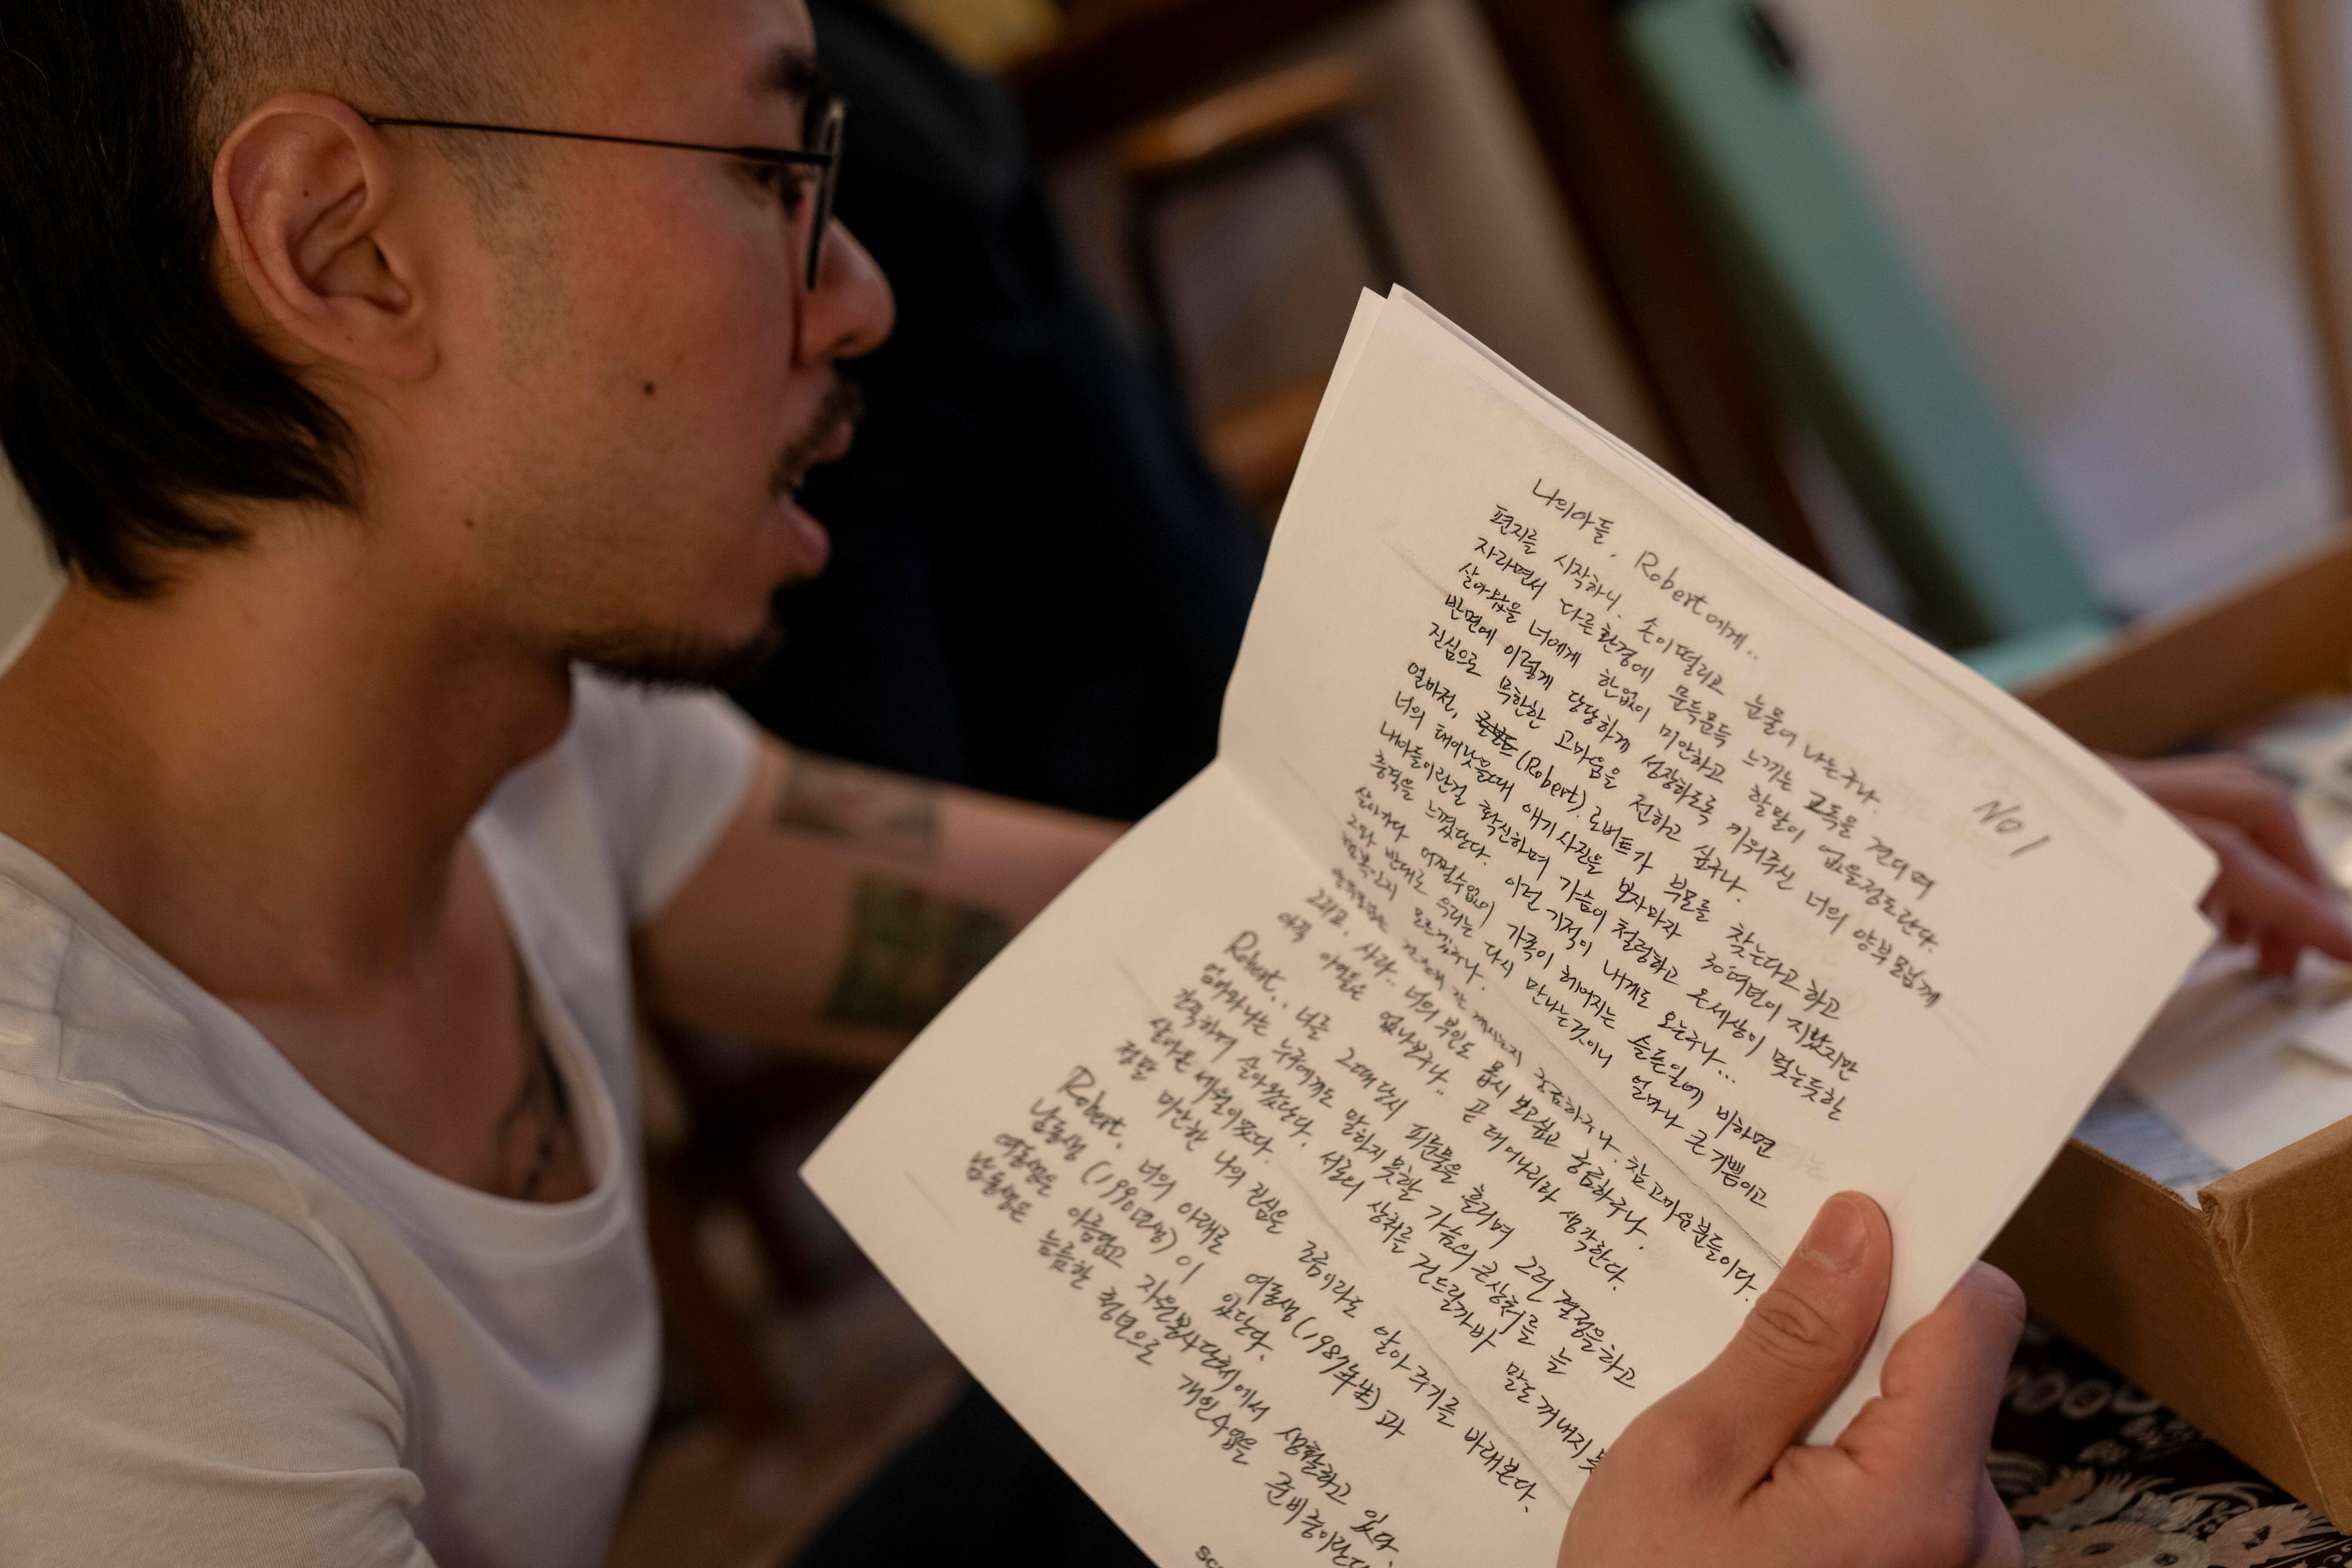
{"x": 2098, "y": 1475}
{"x": 2095, "y": 1472}
{"x": 973, "y": 1491}
{"x": 1038, "y": 585}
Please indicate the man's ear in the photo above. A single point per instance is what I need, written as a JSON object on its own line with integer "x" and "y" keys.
{"x": 301, "y": 189}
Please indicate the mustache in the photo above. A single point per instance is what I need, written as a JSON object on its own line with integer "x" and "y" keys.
{"x": 843, "y": 405}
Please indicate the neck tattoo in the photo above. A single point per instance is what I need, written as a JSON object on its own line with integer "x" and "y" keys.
{"x": 539, "y": 1151}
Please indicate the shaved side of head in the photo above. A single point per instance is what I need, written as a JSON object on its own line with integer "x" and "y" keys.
{"x": 425, "y": 59}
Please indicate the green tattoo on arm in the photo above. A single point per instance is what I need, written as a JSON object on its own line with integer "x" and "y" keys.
{"x": 860, "y": 805}
{"x": 910, "y": 951}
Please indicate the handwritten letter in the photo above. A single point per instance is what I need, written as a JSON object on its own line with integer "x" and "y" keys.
{"x": 1582, "y": 894}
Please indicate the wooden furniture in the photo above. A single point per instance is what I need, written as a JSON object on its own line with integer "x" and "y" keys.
{"x": 2169, "y": 680}
{"x": 1300, "y": 112}
{"x": 1118, "y": 61}
{"x": 1258, "y": 112}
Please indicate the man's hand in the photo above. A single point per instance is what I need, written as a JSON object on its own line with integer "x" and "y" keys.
{"x": 2271, "y": 892}
{"x": 1712, "y": 1475}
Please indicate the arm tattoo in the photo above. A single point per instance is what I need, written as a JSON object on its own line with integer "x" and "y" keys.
{"x": 860, "y": 804}
{"x": 539, "y": 1156}
{"x": 910, "y": 951}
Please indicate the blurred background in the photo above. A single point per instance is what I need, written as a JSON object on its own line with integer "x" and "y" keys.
{"x": 2089, "y": 211}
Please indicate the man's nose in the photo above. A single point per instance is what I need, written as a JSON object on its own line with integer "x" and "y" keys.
{"x": 851, "y": 311}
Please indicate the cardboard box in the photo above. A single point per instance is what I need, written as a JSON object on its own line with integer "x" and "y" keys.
{"x": 2237, "y": 1310}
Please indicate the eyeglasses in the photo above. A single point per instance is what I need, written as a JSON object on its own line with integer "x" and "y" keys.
{"x": 822, "y": 156}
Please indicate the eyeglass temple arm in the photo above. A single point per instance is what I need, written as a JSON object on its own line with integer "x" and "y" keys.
{"x": 750, "y": 155}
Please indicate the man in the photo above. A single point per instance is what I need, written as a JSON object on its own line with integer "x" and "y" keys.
{"x": 333, "y": 859}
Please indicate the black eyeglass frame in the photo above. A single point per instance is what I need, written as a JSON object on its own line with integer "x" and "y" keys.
{"x": 832, "y": 120}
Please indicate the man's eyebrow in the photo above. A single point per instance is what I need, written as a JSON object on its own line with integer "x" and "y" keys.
{"x": 791, "y": 70}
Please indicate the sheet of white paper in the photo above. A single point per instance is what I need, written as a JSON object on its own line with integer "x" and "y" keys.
{"x": 2225, "y": 1062}
{"x": 1582, "y": 896}
{"x": 2125, "y": 1128}
{"x": 2327, "y": 1034}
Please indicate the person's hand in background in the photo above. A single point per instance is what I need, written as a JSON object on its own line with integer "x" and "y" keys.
{"x": 1717, "y": 1472}
{"x": 2271, "y": 893}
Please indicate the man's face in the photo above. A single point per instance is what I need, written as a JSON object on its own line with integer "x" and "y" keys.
{"x": 644, "y": 377}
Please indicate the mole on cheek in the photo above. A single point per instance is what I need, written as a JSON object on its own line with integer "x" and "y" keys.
{"x": 650, "y": 389}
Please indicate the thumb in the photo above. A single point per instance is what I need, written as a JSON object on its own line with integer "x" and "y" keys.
{"x": 1798, "y": 1347}
{"x": 1941, "y": 1386}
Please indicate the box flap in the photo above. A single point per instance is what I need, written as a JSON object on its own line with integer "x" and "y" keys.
{"x": 2124, "y": 1267}
{"x": 2282, "y": 1236}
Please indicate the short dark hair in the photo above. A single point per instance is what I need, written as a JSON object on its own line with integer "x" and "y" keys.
{"x": 132, "y": 401}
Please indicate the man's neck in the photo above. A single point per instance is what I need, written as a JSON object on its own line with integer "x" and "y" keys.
{"x": 266, "y": 772}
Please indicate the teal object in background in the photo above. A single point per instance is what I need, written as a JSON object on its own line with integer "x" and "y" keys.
{"x": 2028, "y": 656}
{"x": 1857, "y": 347}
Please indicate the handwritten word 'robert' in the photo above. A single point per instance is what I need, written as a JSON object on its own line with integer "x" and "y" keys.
{"x": 1668, "y": 580}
